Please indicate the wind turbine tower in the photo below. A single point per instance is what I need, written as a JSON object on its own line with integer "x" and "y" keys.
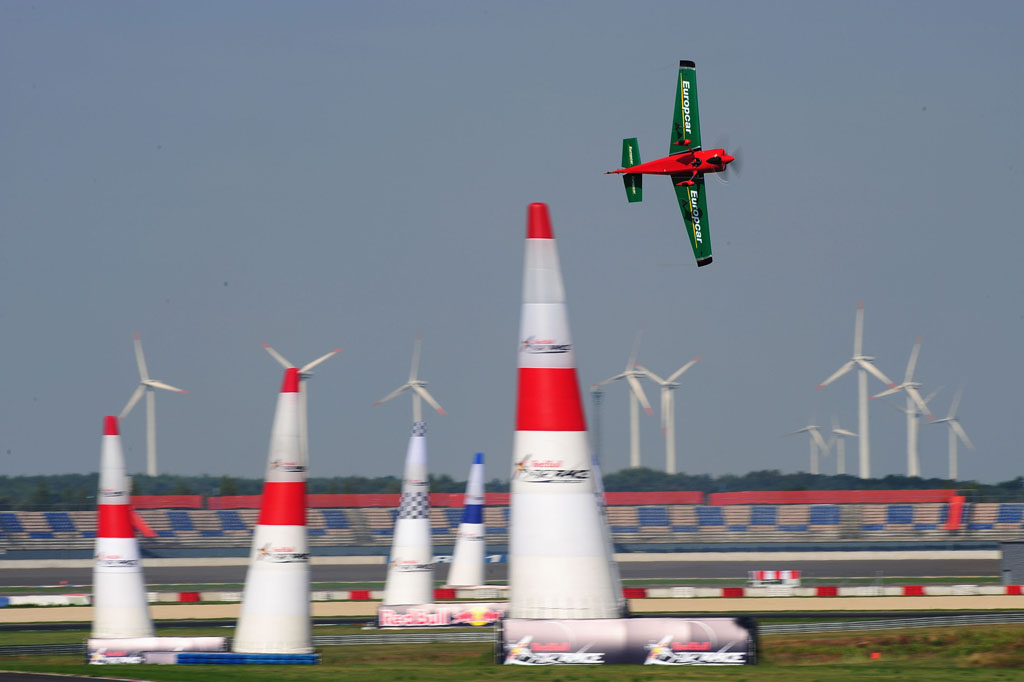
{"x": 637, "y": 397}
{"x": 668, "y": 413}
{"x": 863, "y": 364}
{"x": 838, "y": 437}
{"x": 818, "y": 444}
{"x": 147, "y": 386}
{"x": 916, "y": 406}
{"x": 956, "y": 432}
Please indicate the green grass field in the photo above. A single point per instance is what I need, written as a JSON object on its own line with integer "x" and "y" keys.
{"x": 949, "y": 654}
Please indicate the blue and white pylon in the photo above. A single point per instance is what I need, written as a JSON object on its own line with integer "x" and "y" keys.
{"x": 410, "y": 577}
{"x": 275, "y": 617}
{"x": 467, "y": 567}
{"x": 560, "y": 565}
{"x": 119, "y": 605}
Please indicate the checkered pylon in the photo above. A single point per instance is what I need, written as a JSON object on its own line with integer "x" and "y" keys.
{"x": 419, "y": 428}
{"x": 414, "y": 505}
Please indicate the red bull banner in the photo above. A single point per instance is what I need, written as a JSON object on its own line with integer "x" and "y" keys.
{"x": 461, "y": 614}
{"x": 640, "y": 641}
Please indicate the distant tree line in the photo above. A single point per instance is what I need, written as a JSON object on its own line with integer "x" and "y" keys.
{"x": 78, "y": 491}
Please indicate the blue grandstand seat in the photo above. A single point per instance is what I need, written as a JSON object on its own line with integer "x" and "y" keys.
{"x": 899, "y": 513}
{"x": 394, "y": 515}
{"x": 684, "y": 529}
{"x": 165, "y": 533}
{"x": 454, "y": 515}
{"x": 381, "y": 531}
{"x": 317, "y": 531}
{"x": 439, "y": 531}
{"x": 980, "y": 526}
{"x": 824, "y": 515}
{"x": 10, "y": 523}
{"x": 873, "y": 526}
{"x": 211, "y": 533}
{"x": 737, "y": 528}
{"x": 88, "y": 533}
{"x": 335, "y": 518}
{"x": 231, "y": 520}
{"x": 793, "y": 527}
{"x": 652, "y": 516}
{"x": 710, "y": 516}
{"x": 625, "y": 529}
{"x": 764, "y": 515}
{"x": 41, "y": 535}
{"x": 1010, "y": 512}
{"x": 60, "y": 522}
{"x": 180, "y": 520}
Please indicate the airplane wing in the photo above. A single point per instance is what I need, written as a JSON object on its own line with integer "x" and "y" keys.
{"x": 685, "y": 120}
{"x": 694, "y": 206}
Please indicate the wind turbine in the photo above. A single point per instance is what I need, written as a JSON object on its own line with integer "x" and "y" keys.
{"x": 146, "y": 385}
{"x": 419, "y": 393}
{"x": 955, "y": 432}
{"x": 305, "y": 372}
{"x": 837, "y": 437}
{"x": 818, "y": 443}
{"x": 863, "y": 363}
{"x": 668, "y": 413}
{"x": 632, "y": 375}
{"x": 916, "y": 405}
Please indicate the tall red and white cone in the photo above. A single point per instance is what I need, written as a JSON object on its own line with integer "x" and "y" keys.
{"x": 560, "y": 564}
{"x": 119, "y": 604}
{"x": 275, "y": 616}
{"x": 410, "y": 578}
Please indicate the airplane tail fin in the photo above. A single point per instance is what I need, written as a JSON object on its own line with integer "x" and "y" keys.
{"x": 634, "y": 183}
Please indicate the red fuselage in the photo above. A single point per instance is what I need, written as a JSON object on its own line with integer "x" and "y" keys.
{"x": 703, "y": 161}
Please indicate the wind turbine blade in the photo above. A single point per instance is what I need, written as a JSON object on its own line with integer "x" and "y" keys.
{"x": 679, "y": 372}
{"x": 877, "y": 373}
{"x": 919, "y": 401}
{"x": 847, "y": 366}
{"x": 153, "y": 383}
{"x": 636, "y": 347}
{"x": 610, "y": 379}
{"x": 816, "y": 435}
{"x": 422, "y": 392}
{"x": 844, "y": 432}
{"x": 959, "y": 430}
{"x": 393, "y": 393}
{"x": 281, "y": 360}
{"x": 932, "y": 395}
{"x": 140, "y": 359}
{"x": 793, "y": 433}
{"x": 913, "y": 360}
{"x": 415, "y": 368}
{"x": 638, "y": 391}
{"x": 888, "y": 391}
{"x": 956, "y": 402}
{"x": 858, "y": 331}
{"x": 320, "y": 359}
{"x": 136, "y": 396}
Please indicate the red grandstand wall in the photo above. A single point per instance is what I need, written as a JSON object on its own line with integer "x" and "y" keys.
{"x": 167, "y": 501}
{"x": 320, "y": 501}
{"x": 830, "y": 497}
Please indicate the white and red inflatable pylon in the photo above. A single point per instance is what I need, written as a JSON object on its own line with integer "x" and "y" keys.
{"x": 560, "y": 563}
{"x": 119, "y": 605}
{"x": 410, "y": 577}
{"x": 275, "y": 617}
{"x": 467, "y": 567}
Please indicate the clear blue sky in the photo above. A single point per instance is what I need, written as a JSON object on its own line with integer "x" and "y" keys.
{"x": 321, "y": 174}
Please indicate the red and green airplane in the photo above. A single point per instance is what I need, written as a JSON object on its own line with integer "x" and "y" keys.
{"x": 686, "y": 164}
